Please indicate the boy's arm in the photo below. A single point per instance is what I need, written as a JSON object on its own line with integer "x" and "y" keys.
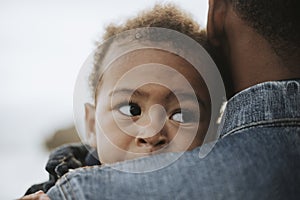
{"x": 70, "y": 156}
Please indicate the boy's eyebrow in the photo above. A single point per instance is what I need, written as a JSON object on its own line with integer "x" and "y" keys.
{"x": 186, "y": 96}
{"x": 129, "y": 91}
{"x": 180, "y": 94}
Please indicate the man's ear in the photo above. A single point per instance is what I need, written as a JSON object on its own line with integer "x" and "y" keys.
{"x": 215, "y": 21}
{"x": 90, "y": 124}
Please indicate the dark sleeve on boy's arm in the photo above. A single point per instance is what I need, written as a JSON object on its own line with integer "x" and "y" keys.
{"x": 70, "y": 156}
{"x": 45, "y": 186}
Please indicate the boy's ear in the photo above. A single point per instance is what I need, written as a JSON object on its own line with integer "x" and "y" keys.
{"x": 90, "y": 124}
{"x": 215, "y": 21}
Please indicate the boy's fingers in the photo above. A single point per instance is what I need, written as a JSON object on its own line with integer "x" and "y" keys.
{"x": 39, "y": 195}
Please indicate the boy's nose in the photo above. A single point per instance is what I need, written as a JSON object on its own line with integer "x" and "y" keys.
{"x": 154, "y": 143}
{"x": 153, "y": 135}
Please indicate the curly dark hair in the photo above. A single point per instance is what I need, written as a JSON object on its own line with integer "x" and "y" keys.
{"x": 167, "y": 16}
{"x": 276, "y": 20}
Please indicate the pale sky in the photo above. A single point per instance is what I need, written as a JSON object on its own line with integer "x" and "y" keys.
{"x": 43, "y": 45}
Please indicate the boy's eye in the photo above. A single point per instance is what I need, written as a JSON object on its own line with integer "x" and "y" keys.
{"x": 183, "y": 117}
{"x": 132, "y": 109}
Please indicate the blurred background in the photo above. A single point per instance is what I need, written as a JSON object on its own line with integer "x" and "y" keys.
{"x": 43, "y": 44}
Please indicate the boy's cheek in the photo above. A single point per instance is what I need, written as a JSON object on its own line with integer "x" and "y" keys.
{"x": 186, "y": 138}
{"x": 113, "y": 143}
{"x": 109, "y": 152}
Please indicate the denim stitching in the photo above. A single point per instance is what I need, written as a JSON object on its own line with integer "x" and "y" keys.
{"x": 274, "y": 123}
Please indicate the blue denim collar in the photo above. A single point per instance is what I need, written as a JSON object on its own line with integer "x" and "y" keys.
{"x": 267, "y": 103}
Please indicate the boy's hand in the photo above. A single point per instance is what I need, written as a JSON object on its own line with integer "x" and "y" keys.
{"x": 40, "y": 195}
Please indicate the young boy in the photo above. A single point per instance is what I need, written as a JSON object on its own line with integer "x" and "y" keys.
{"x": 146, "y": 101}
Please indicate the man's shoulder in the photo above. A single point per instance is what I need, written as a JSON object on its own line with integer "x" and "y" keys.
{"x": 254, "y": 162}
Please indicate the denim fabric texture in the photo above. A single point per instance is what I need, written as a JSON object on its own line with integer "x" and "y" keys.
{"x": 257, "y": 157}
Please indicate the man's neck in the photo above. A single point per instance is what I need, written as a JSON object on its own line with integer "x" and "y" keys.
{"x": 252, "y": 60}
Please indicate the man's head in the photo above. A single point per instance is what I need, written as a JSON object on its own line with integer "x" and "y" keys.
{"x": 263, "y": 33}
{"x": 276, "y": 20}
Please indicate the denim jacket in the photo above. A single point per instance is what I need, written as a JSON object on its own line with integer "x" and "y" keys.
{"x": 257, "y": 157}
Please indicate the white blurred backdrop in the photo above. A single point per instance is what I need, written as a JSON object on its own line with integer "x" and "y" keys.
{"x": 43, "y": 44}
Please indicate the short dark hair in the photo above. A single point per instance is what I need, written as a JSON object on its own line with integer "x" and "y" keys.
{"x": 278, "y": 21}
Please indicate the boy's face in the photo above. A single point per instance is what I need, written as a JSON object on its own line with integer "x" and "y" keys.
{"x": 144, "y": 107}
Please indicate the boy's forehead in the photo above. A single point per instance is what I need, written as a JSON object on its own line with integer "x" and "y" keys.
{"x": 151, "y": 45}
{"x": 124, "y": 45}
{"x": 153, "y": 67}
{"x": 151, "y": 57}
